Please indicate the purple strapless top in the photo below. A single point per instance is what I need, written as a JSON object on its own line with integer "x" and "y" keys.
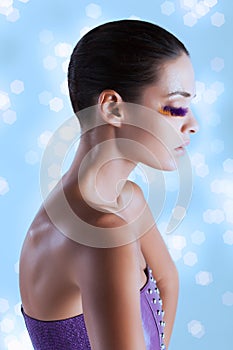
{"x": 71, "y": 333}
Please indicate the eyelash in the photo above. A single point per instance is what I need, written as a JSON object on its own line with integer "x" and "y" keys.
{"x": 173, "y": 111}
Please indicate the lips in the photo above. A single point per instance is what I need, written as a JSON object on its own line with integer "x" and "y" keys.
{"x": 181, "y": 149}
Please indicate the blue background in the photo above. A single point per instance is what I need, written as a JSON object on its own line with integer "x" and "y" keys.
{"x": 32, "y": 70}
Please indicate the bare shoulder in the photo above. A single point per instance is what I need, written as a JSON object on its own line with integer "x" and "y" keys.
{"x": 152, "y": 243}
{"x": 110, "y": 220}
{"x": 140, "y": 208}
{"x": 137, "y": 190}
{"x": 114, "y": 256}
{"x": 133, "y": 196}
{"x": 139, "y": 200}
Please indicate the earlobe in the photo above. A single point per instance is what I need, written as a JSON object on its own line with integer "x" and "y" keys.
{"x": 113, "y": 116}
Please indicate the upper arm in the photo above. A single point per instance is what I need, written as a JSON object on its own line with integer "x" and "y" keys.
{"x": 152, "y": 244}
{"x": 165, "y": 273}
{"x": 111, "y": 297}
{"x": 157, "y": 255}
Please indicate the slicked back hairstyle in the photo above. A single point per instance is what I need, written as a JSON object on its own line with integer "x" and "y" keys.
{"x": 123, "y": 55}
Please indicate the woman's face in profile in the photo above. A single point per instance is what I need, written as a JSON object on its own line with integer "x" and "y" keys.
{"x": 162, "y": 124}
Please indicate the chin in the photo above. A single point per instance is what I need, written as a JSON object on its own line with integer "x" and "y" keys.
{"x": 169, "y": 167}
{"x": 164, "y": 165}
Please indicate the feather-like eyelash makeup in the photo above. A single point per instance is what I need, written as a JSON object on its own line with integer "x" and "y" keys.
{"x": 173, "y": 111}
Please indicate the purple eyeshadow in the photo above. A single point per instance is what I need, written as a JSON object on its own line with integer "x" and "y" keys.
{"x": 175, "y": 111}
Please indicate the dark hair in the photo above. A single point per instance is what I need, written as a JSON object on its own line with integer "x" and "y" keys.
{"x": 124, "y": 55}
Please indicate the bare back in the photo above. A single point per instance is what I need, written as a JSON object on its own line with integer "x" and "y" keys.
{"x": 51, "y": 264}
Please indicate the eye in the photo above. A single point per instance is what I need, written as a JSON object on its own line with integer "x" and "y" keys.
{"x": 173, "y": 111}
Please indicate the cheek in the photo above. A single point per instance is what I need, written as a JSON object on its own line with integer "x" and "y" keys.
{"x": 154, "y": 148}
{"x": 156, "y": 133}
{"x": 167, "y": 131}
{"x": 154, "y": 138}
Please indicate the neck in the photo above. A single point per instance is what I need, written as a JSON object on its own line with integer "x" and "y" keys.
{"x": 102, "y": 170}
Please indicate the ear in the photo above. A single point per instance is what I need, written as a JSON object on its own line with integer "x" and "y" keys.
{"x": 111, "y": 108}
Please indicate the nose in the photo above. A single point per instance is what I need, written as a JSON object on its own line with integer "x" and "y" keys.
{"x": 190, "y": 125}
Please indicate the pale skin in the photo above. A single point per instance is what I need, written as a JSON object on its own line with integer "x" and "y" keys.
{"x": 60, "y": 278}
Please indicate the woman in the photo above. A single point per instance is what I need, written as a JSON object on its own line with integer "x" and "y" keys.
{"x": 131, "y": 84}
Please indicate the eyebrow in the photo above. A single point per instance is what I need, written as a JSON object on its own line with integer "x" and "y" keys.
{"x": 181, "y": 93}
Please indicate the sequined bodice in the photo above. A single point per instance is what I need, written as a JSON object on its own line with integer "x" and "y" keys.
{"x": 152, "y": 314}
{"x": 71, "y": 333}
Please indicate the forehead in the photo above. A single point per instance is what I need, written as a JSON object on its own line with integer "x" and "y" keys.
{"x": 177, "y": 75}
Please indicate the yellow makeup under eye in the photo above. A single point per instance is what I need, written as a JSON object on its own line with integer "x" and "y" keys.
{"x": 173, "y": 111}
